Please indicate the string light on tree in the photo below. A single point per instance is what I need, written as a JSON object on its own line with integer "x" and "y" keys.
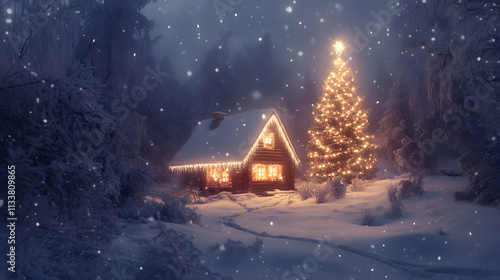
{"x": 338, "y": 144}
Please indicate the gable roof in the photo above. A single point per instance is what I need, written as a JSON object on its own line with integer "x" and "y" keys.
{"x": 230, "y": 144}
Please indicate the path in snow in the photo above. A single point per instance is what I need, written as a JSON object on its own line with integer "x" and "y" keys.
{"x": 419, "y": 270}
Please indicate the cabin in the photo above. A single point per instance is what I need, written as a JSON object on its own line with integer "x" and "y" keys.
{"x": 246, "y": 152}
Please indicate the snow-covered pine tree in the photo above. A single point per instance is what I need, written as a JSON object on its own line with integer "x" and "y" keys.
{"x": 76, "y": 161}
{"x": 456, "y": 58}
{"x": 339, "y": 144}
{"x": 396, "y": 122}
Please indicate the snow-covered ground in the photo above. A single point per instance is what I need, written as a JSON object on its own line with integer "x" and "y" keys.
{"x": 437, "y": 238}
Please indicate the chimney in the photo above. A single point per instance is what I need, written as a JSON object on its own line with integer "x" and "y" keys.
{"x": 217, "y": 118}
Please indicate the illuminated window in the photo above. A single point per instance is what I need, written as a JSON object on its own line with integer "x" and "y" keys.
{"x": 268, "y": 140}
{"x": 218, "y": 177}
{"x": 267, "y": 172}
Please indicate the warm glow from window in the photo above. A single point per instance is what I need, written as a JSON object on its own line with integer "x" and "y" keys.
{"x": 267, "y": 172}
{"x": 218, "y": 177}
{"x": 269, "y": 140}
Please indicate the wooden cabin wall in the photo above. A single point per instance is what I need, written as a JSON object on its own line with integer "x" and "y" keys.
{"x": 192, "y": 179}
{"x": 277, "y": 155}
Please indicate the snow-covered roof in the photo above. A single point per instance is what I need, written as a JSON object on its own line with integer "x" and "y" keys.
{"x": 229, "y": 144}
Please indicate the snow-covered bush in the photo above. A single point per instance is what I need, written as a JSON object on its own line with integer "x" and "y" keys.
{"x": 175, "y": 211}
{"x": 409, "y": 158}
{"x": 411, "y": 187}
{"x": 171, "y": 255}
{"x": 396, "y": 206}
{"x": 236, "y": 248}
{"x": 322, "y": 192}
{"x": 338, "y": 186}
{"x": 358, "y": 185}
{"x": 170, "y": 210}
{"x": 190, "y": 195}
{"x": 466, "y": 195}
{"x": 481, "y": 166}
{"x": 442, "y": 232}
{"x": 306, "y": 189}
{"x": 368, "y": 217}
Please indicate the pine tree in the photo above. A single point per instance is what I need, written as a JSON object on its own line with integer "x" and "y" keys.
{"x": 396, "y": 123}
{"x": 338, "y": 144}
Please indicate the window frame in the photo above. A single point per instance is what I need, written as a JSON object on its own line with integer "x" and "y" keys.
{"x": 264, "y": 172}
{"x": 218, "y": 177}
{"x": 271, "y": 137}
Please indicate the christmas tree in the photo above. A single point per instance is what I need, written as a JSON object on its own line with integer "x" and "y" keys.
{"x": 338, "y": 144}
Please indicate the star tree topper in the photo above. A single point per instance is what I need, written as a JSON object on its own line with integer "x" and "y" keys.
{"x": 339, "y": 47}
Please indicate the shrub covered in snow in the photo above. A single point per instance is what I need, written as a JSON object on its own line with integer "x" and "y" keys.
{"x": 170, "y": 210}
{"x": 338, "y": 186}
{"x": 358, "y": 185}
{"x": 236, "y": 248}
{"x": 466, "y": 195}
{"x": 368, "y": 217}
{"x": 442, "y": 232}
{"x": 483, "y": 175}
{"x": 411, "y": 187}
{"x": 322, "y": 192}
{"x": 396, "y": 206}
{"x": 171, "y": 255}
{"x": 190, "y": 195}
{"x": 306, "y": 189}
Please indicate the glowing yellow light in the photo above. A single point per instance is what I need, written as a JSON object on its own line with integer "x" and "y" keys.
{"x": 218, "y": 177}
{"x": 268, "y": 140}
{"x": 339, "y": 47}
{"x": 267, "y": 172}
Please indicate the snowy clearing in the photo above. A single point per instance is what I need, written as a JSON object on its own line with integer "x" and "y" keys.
{"x": 437, "y": 238}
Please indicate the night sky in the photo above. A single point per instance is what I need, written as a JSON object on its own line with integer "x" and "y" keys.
{"x": 301, "y": 31}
